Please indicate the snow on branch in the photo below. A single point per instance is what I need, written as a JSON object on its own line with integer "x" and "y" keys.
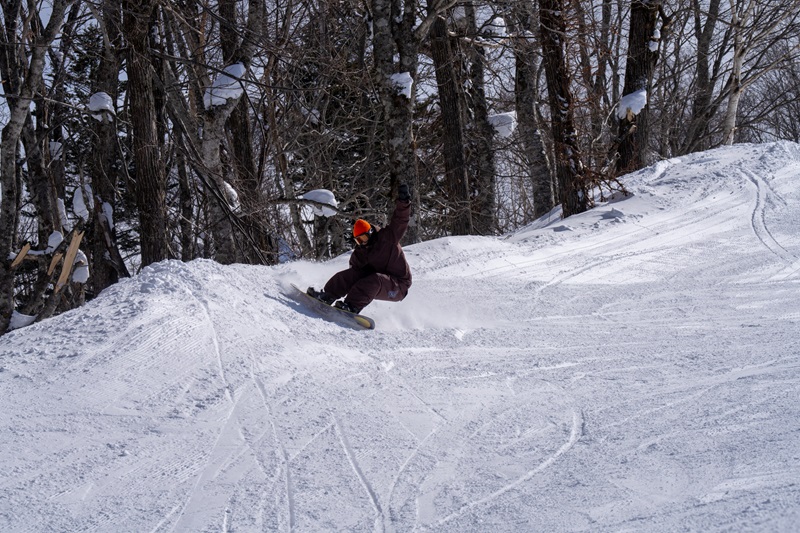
{"x": 228, "y": 84}
{"x": 324, "y": 202}
{"x": 101, "y": 107}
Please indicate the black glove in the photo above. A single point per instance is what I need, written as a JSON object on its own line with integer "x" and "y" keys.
{"x": 403, "y": 193}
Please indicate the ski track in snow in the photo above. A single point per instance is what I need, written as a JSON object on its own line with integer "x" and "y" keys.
{"x": 634, "y": 367}
{"x": 764, "y": 197}
{"x": 573, "y": 438}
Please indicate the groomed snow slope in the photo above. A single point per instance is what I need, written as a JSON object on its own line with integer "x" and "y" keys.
{"x": 633, "y": 368}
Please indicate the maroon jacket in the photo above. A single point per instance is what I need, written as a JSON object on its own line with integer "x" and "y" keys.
{"x": 382, "y": 253}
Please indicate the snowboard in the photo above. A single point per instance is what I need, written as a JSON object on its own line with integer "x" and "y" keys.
{"x": 329, "y": 312}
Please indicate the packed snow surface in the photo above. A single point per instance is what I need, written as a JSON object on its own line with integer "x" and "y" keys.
{"x": 637, "y": 373}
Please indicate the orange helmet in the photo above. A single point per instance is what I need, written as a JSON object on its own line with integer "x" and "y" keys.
{"x": 361, "y": 227}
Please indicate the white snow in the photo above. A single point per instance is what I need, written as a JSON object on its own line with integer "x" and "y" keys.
{"x": 79, "y": 206}
{"x": 632, "y": 104}
{"x": 62, "y": 213}
{"x": 80, "y": 273}
{"x": 638, "y": 373}
{"x": 496, "y": 27}
{"x": 54, "y": 240}
{"x": 504, "y": 123}
{"x": 18, "y": 320}
{"x": 56, "y": 150}
{"x": 227, "y": 85}
{"x": 108, "y": 212}
{"x": 232, "y": 197}
{"x": 655, "y": 39}
{"x": 101, "y": 107}
{"x": 403, "y": 83}
{"x": 323, "y": 196}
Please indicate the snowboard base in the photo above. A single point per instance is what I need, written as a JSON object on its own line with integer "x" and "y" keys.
{"x": 334, "y": 314}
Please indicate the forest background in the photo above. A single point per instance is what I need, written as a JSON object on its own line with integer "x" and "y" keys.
{"x": 135, "y": 131}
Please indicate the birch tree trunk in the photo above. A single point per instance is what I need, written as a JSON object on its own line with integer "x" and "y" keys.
{"x": 738, "y": 22}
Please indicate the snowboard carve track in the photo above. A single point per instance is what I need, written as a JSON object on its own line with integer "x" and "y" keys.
{"x": 289, "y": 491}
{"x": 402, "y": 469}
{"x": 351, "y": 457}
{"x": 215, "y": 340}
{"x": 210, "y": 466}
{"x": 576, "y": 431}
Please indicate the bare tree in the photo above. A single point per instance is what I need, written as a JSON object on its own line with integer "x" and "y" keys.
{"x": 106, "y": 263}
{"x": 527, "y": 60}
{"x": 479, "y": 145}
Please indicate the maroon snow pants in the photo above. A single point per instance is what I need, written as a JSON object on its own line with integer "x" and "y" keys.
{"x": 361, "y": 288}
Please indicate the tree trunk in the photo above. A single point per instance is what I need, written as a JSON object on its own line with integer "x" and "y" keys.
{"x": 634, "y": 131}
{"x": 456, "y": 183}
{"x": 150, "y": 175}
{"x": 480, "y": 136}
{"x": 186, "y": 207}
{"x": 702, "y": 109}
{"x": 569, "y": 168}
{"x": 102, "y": 246}
{"x": 393, "y": 35}
{"x": 526, "y": 92}
{"x": 735, "y": 83}
{"x": 241, "y": 134}
{"x": 221, "y": 224}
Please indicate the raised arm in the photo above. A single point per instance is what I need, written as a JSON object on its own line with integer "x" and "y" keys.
{"x": 399, "y": 222}
{"x": 402, "y": 212}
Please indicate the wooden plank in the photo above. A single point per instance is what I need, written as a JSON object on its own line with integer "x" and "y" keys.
{"x": 69, "y": 260}
{"x": 53, "y": 262}
{"x": 21, "y": 255}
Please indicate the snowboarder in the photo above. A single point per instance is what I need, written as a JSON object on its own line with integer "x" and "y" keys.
{"x": 378, "y": 268}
